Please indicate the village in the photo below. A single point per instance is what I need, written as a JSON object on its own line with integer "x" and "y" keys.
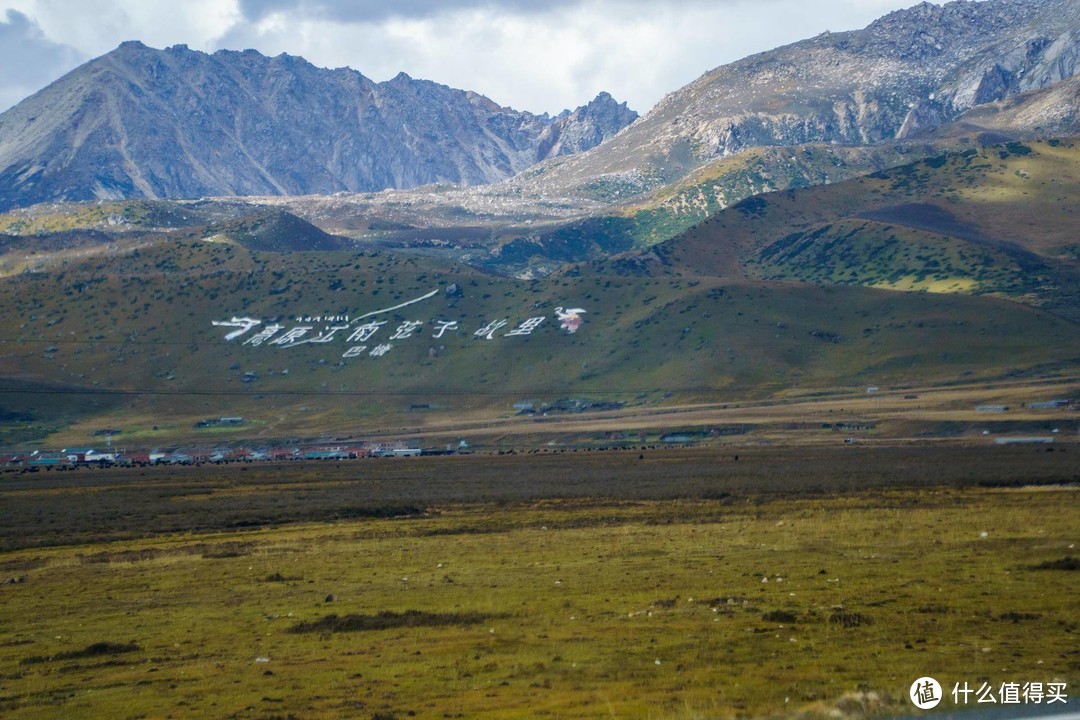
{"x": 72, "y": 458}
{"x": 851, "y": 431}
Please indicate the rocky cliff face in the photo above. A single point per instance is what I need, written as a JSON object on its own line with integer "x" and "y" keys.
{"x": 585, "y": 128}
{"x": 908, "y": 72}
{"x": 140, "y": 122}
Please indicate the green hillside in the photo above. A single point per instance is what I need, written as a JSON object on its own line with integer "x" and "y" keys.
{"x": 957, "y": 267}
{"x": 866, "y": 252}
{"x": 719, "y": 184}
{"x": 997, "y": 220}
{"x": 267, "y": 231}
{"x": 117, "y": 216}
{"x": 127, "y": 341}
{"x": 728, "y": 181}
{"x": 42, "y": 238}
{"x": 676, "y": 208}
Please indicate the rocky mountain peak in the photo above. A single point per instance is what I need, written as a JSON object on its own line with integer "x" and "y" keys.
{"x": 907, "y": 72}
{"x": 135, "y": 46}
{"x": 141, "y": 122}
{"x": 584, "y": 128}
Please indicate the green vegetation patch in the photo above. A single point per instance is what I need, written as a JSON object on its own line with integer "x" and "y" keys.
{"x": 388, "y": 619}
{"x": 94, "y": 650}
{"x": 878, "y": 254}
{"x": 1066, "y": 563}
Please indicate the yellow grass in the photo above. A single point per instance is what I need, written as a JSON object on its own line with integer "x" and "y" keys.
{"x": 653, "y": 609}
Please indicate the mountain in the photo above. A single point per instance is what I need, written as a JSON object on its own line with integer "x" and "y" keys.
{"x": 907, "y": 73}
{"x": 1050, "y": 112}
{"x": 136, "y": 338}
{"x": 269, "y": 231}
{"x": 141, "y": 122}
{"x": 872, "y": 208}
{"x": 584, "y": 128}
{"x": 988, "y": 220}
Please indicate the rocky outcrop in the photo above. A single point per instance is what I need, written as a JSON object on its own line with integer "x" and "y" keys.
{"x": 585, "y": 128}
{"x": 903, "y": 75}
{"x": 140, "y": 122}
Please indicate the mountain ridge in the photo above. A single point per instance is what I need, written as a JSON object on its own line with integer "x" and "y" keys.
{"x": 907, "y": 72}
{"x": 140, "y": 122}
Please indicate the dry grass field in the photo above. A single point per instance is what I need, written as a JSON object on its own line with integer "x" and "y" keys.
{"x": 688, "y": 583}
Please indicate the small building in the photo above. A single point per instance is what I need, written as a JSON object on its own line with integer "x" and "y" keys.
{"x": 48, "y": 459}
{"x": 356, "y": 452}
{"x": 1024, "y": 441}
{"x": 129, "y": 459}
{"x": 87, "y": 456}
{"x": 1050, "y": 405}
{"x": 76, "y": 455}
{"x": 214, "y": 422}
{"x": 448, "y": 450}
{"x": 326, "y": 454}
{"x": 385, "y": 449}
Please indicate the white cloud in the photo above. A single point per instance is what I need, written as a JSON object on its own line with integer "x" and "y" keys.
{"x": 561, "y": 58}
{"x": 95, "y": 27}
{"x": 28, "y": 59}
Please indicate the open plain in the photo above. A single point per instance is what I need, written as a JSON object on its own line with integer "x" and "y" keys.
{"x": 707, "y": 582}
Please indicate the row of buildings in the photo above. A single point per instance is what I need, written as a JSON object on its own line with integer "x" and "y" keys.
{"x": 90, "y": 457}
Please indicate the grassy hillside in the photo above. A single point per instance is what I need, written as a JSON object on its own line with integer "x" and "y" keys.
{"x": 782, "y": 291}
{"x": 115, "y": 216}
{"x": 508, "y": 232}
{"x": 997, "y": 220}
{"x": 728, "y": 181}
{"x": 268, "y": 231}
{"x": 719, "y": 184}
{"x": 127, "y": 340}
{"x": 899, "y": 258}
{"x": 675, "y": 208}
{"x": 45, "y": 237}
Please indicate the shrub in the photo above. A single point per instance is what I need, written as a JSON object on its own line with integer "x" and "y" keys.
{"x": 387, "y": 620}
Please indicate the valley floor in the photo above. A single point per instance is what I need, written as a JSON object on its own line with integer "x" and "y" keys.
{"x": 689, "y": 583}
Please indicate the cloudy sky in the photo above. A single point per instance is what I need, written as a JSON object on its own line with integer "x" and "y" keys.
{"x": 537, "y": 56}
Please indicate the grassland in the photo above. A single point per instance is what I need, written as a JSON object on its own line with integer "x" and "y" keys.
{"x": 686, "y": 584}
{"x": 127, "y": 340}
{"x": 956, "y": 269}
{"x": 986, "y": 220}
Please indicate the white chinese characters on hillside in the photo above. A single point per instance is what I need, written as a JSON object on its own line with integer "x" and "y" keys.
{"x": 357, "y": 332}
